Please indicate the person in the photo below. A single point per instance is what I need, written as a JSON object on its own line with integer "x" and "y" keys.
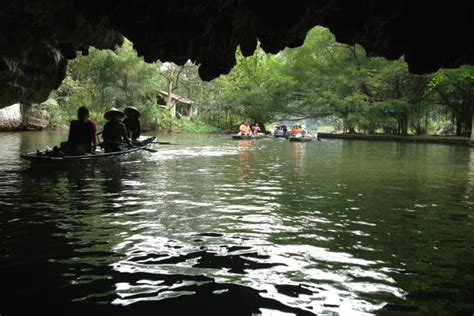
{"x": 296, "y": 130}
{"x": 81, "y": 138}
{"x": 292, "y": 130}
{"x": 279, "y": 132}
{"x": 115, "y": 133}
{"x": 276, "y": 129}
{"x": 304, "y": 132}
{"x": 132, "y": 122}
{"x": 244, "y": 128}
{"x": 94, "y": 135}
{"x": 256, "y": 129}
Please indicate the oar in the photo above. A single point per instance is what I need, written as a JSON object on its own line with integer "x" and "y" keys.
{"x": 148, "y": 149}
{"x": 165, "y": 143}
{"x": 141, "y": 148}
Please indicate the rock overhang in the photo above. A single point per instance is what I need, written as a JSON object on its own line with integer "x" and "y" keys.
{"x": 38, "y": 37}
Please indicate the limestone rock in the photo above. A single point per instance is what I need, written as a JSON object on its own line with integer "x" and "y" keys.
{"x": 35, "y": 117}
{"x": 37, "y": 37}
{"x": 10, "y": 118}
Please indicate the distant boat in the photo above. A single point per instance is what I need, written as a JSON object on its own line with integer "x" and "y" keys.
{"x": 254, "y": 136}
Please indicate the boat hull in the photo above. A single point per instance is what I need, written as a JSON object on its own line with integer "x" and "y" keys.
{"x": 238, "y": 136}
{"x": 300, "y": 139}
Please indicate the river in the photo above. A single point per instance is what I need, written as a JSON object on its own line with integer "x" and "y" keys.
{"x": 217, "y": 226}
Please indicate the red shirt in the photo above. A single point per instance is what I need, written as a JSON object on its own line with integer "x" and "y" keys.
{"x": 82, "y": 133}
{"x": 94, "y": 128}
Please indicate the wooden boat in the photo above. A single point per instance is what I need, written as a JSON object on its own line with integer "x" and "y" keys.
{"x": 300, "y": 138}
{"x": 255, "y": 136}
{"x": 49, "y": 156}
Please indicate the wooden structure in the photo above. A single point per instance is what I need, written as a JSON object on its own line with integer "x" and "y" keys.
{"x": 180, "y": 106}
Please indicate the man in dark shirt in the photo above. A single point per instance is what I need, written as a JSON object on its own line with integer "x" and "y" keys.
{"x": 132, "y": 122}
{"x": 81, "y": 139}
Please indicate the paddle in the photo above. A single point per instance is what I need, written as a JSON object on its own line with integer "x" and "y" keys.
{"x": 140, "y": 147}
{"x": 147, "y": 149}
{"x": 165, "y": 143}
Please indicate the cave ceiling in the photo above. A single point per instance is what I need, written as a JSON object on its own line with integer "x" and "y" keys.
{"x": 38, "y": 37}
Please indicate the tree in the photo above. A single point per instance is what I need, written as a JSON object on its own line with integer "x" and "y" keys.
{"x": 320, "y": 79}
{"x": 174, "y": 76}
{"x": 255, "y": 89}
{"x": 456, "y": 91}
{"x": 105, "y": 78}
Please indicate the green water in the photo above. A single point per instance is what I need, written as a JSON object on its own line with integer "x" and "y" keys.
{"x": 226, "y": 227}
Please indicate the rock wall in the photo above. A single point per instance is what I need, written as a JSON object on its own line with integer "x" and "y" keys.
{"x": 23, "y": 117}
{"x": 38, "y": 37}
{"x": 11, "y": 118}
{"x": 35, "y": 118}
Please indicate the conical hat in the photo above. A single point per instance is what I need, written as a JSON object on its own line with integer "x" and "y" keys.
{"x": 113, "y": 111}
{"x": 133, "y": 109}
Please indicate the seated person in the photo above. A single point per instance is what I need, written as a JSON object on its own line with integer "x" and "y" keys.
{"x": 292, "y": 130}
{"x": 256, "y": 129}
{"x": 296, "y": 130}
{"x": 304, "y": 132}
{"x": 132, "y": 123}
{"x": 94, "y": 137}
{"x": 81, "y": 139}
{"x": 115, "y": 133}
{"x": 244, "y": 129}
{"x": 279, "y": 132}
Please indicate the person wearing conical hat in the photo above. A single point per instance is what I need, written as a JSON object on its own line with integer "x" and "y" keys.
{"x": 114, "y": 132}
{"x": 132, "y": 122}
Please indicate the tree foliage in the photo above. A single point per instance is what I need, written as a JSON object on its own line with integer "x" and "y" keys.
{"x": 106, "y": 79}
{"x": 320, "y": 79}
{"x": 324, "y": 78}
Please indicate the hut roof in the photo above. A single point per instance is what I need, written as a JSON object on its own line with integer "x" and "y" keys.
{"x": 178, "y": 98}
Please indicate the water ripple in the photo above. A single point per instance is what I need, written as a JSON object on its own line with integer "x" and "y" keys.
{"x": 253, "y": 227}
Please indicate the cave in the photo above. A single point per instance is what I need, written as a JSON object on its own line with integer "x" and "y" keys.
{"x": 39, "y": 37}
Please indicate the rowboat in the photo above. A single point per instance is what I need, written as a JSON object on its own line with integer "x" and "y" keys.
{"x": 253, "y": 136}
{"x": 51, "y": 156}
{"x": 300, "y": 138}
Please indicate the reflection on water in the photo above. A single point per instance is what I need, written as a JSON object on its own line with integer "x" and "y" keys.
{"x": 223, "y": 227}
{"x": 244, "y": 159}
{"x": 298, "y": 150}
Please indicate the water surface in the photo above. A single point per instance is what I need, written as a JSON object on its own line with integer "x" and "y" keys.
{"x": 226, "y": 227}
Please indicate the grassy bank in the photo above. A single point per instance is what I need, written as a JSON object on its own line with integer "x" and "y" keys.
{"x": 453, "y": 140}
{"x": 194, "y": 126}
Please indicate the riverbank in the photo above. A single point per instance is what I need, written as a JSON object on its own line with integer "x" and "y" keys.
{"x": 451, "y": 140}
